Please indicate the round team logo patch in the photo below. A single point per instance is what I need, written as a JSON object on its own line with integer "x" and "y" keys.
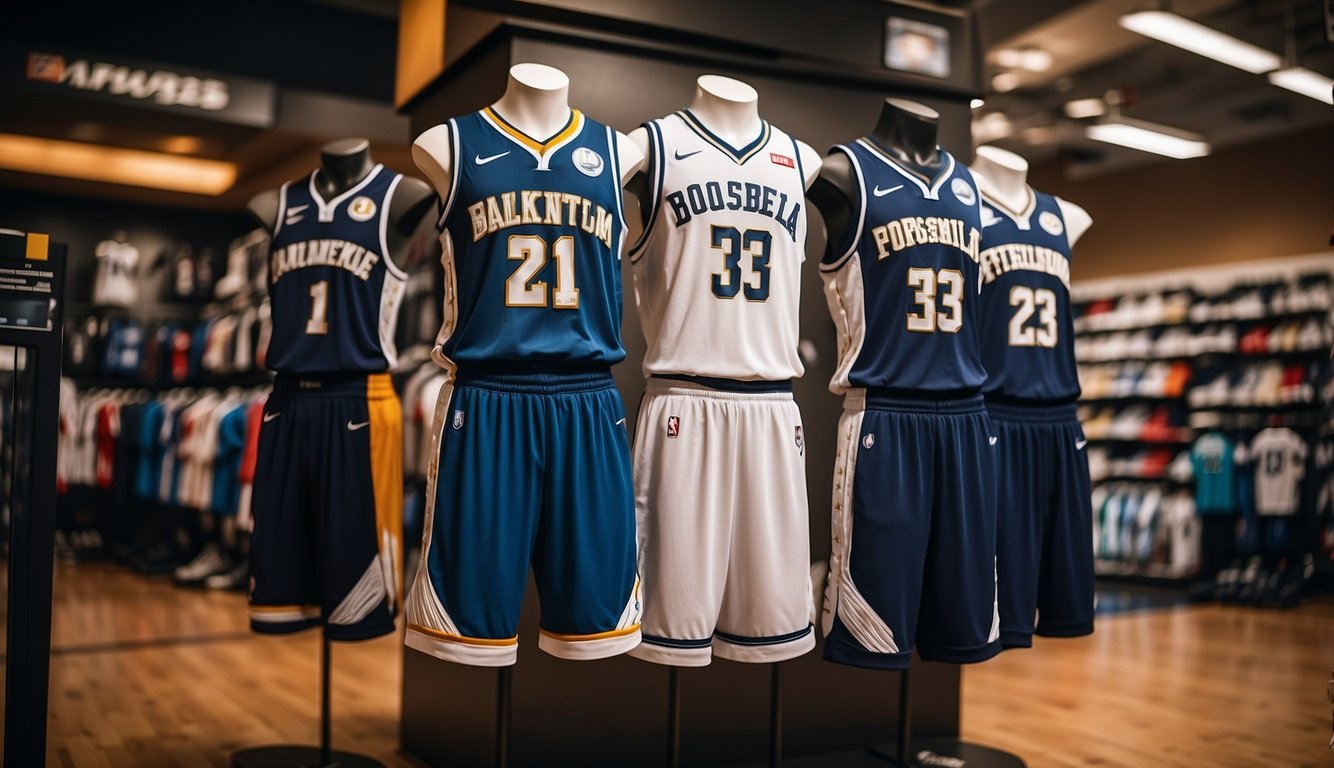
{"x": 588, "y": 162}
{"x": 964, "y": 191}
{"x": 869, "y": 440}
{"x": 1051, "y": 223}
{"x": 361, "y": 208}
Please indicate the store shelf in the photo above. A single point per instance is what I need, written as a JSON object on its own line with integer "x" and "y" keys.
{"x": 1279, "y": 317}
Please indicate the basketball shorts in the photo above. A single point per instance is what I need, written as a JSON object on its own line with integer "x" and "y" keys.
{"x": 914, "y": 533}
{"x": 528, "y": 469}
{"x": 328, "y": 508}
{"x": 1044, "y": 523}
{"x": 724, "y": 539}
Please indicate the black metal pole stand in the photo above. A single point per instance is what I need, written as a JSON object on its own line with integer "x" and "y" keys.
{"x": 776, "y": 714}
{"x": 504, "y": 704}
{"x": 925, "y": 753}
{"x": 673, "y": 717}
{"x": 323, "y": 756}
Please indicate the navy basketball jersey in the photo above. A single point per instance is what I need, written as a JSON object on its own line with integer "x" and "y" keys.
{"x": 532, "y": 233}
{"x": 1028, "y": 343}
{"x": 333, "y": 289}
{"x": 902, "y": 292}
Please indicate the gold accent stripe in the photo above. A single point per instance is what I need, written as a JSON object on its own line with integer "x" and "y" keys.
{"x": 596, "y": 636}
{"x": 570, "y": 129}
{"x": 452, "y": 638}
{"x": 37, "y": 247}
{"x": 1028, "y": 209}
{"x": 386, "y": 417}
{"x": 282, "y": 608}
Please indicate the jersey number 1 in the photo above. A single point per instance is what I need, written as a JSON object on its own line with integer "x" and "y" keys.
{"x": 318, "y": 322}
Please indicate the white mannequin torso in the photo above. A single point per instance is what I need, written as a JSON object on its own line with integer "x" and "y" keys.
{"x": 536, "y": 101}
{"x": 1003, "y": 176}
{"x": 730, "y": 108}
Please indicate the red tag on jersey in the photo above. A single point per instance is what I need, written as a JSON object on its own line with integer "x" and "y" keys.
{"x": 778, "y": 159}
{"x": 673, "y": 426}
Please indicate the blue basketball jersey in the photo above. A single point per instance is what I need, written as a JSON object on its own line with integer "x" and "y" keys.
{"x": 332, "y": 286}
{"x": 1028, "y": 343}
{"x": 902, "y": 291}
{"x": 532, "y": 233}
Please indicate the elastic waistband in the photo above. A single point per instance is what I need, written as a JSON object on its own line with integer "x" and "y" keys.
{"x": 728, "y": 385}
{"x": 544, "y": 382}
{"x": 862, "y": 399}
{"x": 1034, "y": 412}
{"x": 661, "y": 385}
{"x": 373, "y": 386}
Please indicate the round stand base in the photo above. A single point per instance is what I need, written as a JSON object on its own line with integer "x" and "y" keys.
{"x": 292, "y": 756}
{"x": 950, "y": 753}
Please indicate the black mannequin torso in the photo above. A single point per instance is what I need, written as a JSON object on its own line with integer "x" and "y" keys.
{"x": 343, "y": 163}
{"x": 907, "y": 130}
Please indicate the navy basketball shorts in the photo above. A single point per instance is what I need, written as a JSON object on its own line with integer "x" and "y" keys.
{"x": 724, "y": 533}
{"x": 1044, "y": 523}
{"x": 533, "y": 470}
{"x": 328, "y": 508}
{"x": 914, "y": 533}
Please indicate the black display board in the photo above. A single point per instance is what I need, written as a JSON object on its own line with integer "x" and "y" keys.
{"x": 32, "y": 279}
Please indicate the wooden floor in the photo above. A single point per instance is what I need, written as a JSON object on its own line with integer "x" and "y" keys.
{"x": 145, "y": 674}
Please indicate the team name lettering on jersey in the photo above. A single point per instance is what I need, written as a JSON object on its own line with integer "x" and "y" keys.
{"x": 909, "y": 231}
{"x": 528, "y": 206}
{"x": 749, "y": 197}
{"x": 323, "y": 253}
{"x": 1024, "y": 256}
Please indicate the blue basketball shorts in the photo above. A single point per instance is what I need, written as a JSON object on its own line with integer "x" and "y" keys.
{"x": 531, "y": 470}
{"x": 1044, "y": 528}
{"x": 328, "y": 507}
{"x": 914, "y": 533}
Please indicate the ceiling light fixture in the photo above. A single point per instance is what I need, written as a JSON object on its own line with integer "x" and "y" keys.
{"x": 976, "y": 103}
{"x": 1149, "y": 137}
{"x": 1306, "y": 82}
{"x": 133, "y": 167}
{"x": 1194, "y": 37}
{"x": 1004, "y": 82}
{"x": 1078, "y": 109}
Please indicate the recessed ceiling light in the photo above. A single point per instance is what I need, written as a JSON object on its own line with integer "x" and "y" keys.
{"x": 1005, "y": 82}
{"x": 976, "y": 103}
{"x": 1078, "y": 109}
{"x": 93, "y": 162}
{"x": 990, "y": 127}
{"x": 1197, "y": 38}
{"x": 1306, "y": 82}
{"x": 1149, "y": 137}
{"x": 1035, "y": 60}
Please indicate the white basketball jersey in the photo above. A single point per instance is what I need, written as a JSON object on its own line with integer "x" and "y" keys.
{"x": 1280, "y": 463}
{"x": 718, "y": 268}
{"x": 116, "y": 282}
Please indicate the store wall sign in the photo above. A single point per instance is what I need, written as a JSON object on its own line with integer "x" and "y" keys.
{"x": 154, "y": 86}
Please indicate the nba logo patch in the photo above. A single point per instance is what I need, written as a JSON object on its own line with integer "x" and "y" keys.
{"x": 1052, "y": 223}
{"x": 458, "y": 419}
{"x": 869, "y": 440}
{"x": 801, "y": 442}
{"x": 673, "y": 426}
{"x": 782, "y": 160}
{"x": 588, "y": 162}
{"x": 964, "y": 191}
{"x": 361, "y": 208}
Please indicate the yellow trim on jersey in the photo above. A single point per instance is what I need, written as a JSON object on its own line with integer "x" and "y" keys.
{"x": 282, "y": 608}
{"x": 1024, "y": 214}
{"x": 571, "y": 128}
{"x": 595, "y": 636}
{"x": 386, "y": 417}
{"x": 452, "y": 638}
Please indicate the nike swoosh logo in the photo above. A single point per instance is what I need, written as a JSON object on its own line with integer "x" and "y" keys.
{"x": 354, "y": 427}
{"x": 680, "y": 156}
{"x": 484, "y": 160}
{"x": 878, "y": 192}
{"x": 991, "y": 441}
{"x": 271, "y": 416}
{"x": 1079, "y": 444}
{"x": 620, "y": 422}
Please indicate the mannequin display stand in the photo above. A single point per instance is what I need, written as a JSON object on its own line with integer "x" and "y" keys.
{"x": 929, "y": 752}
{"x": 293, "y": 756}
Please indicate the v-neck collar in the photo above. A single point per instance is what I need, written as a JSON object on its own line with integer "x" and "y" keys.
{"x": 930, "y": 186}
{"x": 1020, "y": 218}
{"x": 326, "y": 210}
{"x": 541, "y": 150}
{"x": 739, "y": 155}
